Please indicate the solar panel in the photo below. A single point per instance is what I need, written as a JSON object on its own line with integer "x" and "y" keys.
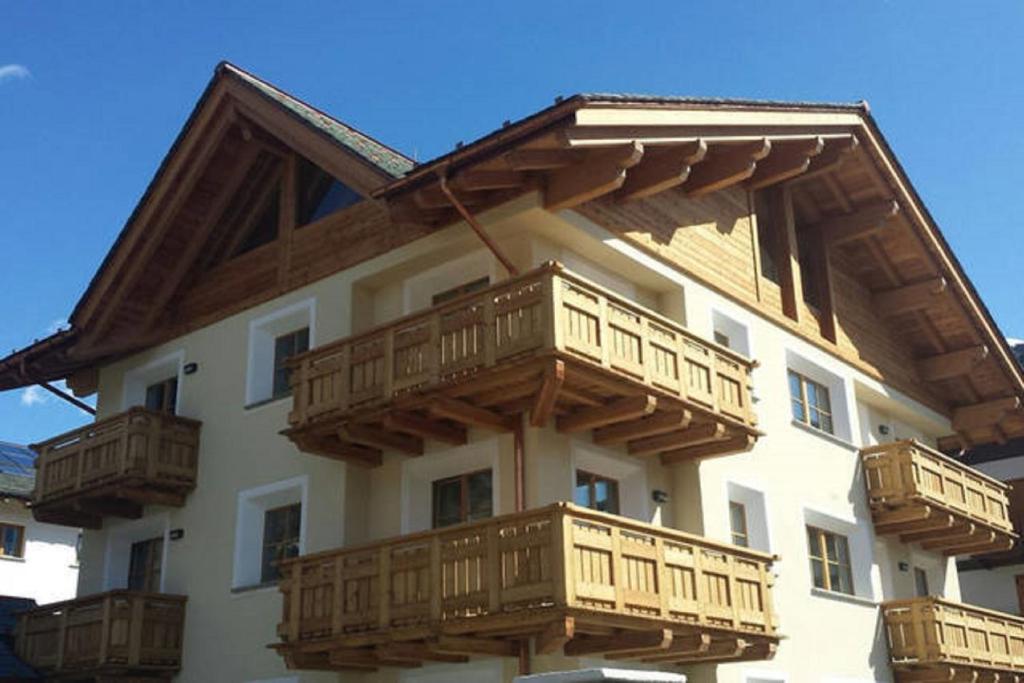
{"x": 15, "y": 459}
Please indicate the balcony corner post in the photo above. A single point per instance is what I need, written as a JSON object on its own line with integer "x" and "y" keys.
{"x": 137, "y": 612}
{"x": 105, "y": 626}
{"x": 556, "y": 332}
{"x": 384, "y": 587}
{"x": 560, "y": 569}
{"x": 436, "y": 579}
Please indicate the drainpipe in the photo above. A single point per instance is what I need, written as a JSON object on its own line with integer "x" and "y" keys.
{"x": 81, "y": 405}
{"x": 477, "y": 228}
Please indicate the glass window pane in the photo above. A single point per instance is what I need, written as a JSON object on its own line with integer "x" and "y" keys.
{"x": 447, "y": 502}
{"x": 834, "y": 579}
{"x": 581, "y": 496}
{"x": 813, "y": 544}
{"x": 823, "y": 400}
{"x": 798, "y": 411}
{"x": 830, "y": 548}
{"x": 480, "y": 501}
{"x": 818, "y": 573}
{"x": 826, "y": 423}
{"x": 155, "y": 397}
{"x": 794, "y": 387}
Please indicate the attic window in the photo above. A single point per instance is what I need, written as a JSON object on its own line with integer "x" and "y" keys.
{"x": 264, "y": 229}
{"x": 319, "y": 194}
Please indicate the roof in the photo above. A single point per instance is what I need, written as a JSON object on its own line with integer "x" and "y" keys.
{"x": 17, "y": 470}
{"x": 10, "y": 666}
{"x": 380, "y": 155}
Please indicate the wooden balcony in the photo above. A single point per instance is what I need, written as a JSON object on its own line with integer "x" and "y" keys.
{"x": 114, "y": 467}
{"x": 549, "y": 343}
{"x": 578, "y": 581}
{"x": 931, "y": 639}
{"x": 120, "y": 635}
{"x": 924, "y": 496}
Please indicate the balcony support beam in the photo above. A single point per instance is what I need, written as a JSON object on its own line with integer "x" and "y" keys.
{"x": 622, "y": 410}
{"x": 692, "y": 436}
{"x": 621, "y": 644}
{"x": 544, "y": 403}
{"x": 465, "y": 645}
{"x": 466, "y": 413}
{"x": 365, "y": 435}
{"x": 736, "y": 444}
{"x": 425, "y": 428}
{"x": 651, "y": 425}
{"x": 555, "y": 636}
{"x": 686, "y": 647}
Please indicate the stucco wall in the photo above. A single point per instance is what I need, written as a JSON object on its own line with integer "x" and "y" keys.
{"x": 49, "y": 570}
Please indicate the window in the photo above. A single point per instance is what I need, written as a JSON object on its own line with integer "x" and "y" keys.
{"x": 721, "y": 339}
{"x": 810, "y": 401}
{"x": 162, "y": 396}
{"x": 263, "y": 230}
{"x": 765, "y": 206}
{"x": 830, "y": 560}
{"x": 597, "y": 492}
{"x": 921, "y": 583}
{"x": 462, "y": 498}
{"x": 286, "y": 346}
{"x": 12, "y": 540}
{"x": 145, "y": 565}
{"x": 455, "y": 292}
{"x": 738, "y": 524}
{"x": 319, "y": 194}
{"x": 281, "y": 531}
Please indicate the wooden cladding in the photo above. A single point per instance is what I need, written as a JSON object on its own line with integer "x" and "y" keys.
{"x": 548, "y": 342}
{"x": 931, "y": 639}
{"x": 924, "y": 496}
{"x": 566, "y": 575}
{"x": 114, "y": 466}
{"x": 109, "y": 636}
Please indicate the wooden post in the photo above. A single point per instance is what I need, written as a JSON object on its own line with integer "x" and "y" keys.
{"x": 384, "y": 587}
{"x": 62, "y": 636}
{"x": 555, "y": 311}
{"x": 387, "y": 389}
{"x": 137, "y": 611}
{"x": 105, "y": 619}
{"x": 559, "y": 566}
{"x": 493, "y": 569}
{"x": 338, "y": 607}
{"x": 568, "y": 556}
{"x": 519, "y": 458}
{"x": 436, "y": 579}
{"x": 295, "y": 603}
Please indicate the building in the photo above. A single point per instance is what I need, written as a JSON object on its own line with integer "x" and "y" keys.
{"x": 37, "y": 560}
{"x": 654, "y": 380}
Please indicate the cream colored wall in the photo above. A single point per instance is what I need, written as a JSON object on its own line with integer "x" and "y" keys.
{"x": 800, "y": 473}
{"x": 48, "y": 571}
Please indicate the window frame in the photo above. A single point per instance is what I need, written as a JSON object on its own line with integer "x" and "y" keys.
{"x": 250, "y": 519}
{"x": 263, "y": 333}
{"x": 463, "y": 478}
{"x": 168, "y": 395}
{"x": 293, "y": 512}
{"x": 153, "y": 565}
{"x": 452, "y": 293}
{"x": 19, "y": 530}
{"x": 733, "y": 533}
{"x": 280, "y": 364}
{"x": 593, "y": 479}
{"x": 805, "y": 404}
{"x": 821, "y": 535}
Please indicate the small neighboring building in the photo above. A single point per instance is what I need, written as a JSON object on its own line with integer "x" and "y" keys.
{"x": 11, "y": 667}
{"x": 38, "y": 561}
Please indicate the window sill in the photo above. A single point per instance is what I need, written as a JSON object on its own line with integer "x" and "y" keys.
{"x": 255, "y": 588}
{"x": 843, "y": 597}
{"x": 266, "y": 402}
{"x": 824, "y": 435}
{"x": 8, "y": 558}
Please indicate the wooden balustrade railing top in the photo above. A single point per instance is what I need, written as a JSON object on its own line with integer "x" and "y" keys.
{"x": 924, "y": 496}
{"x": 549, "y": 343}
{"x": 114, "y": 466}
{"x": 581, "y": 581}
{"x": 933, "y": 639}
{"x": 120, "y": 633}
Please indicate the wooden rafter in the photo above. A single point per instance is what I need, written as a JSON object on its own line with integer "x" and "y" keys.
{"x": 984, "y": 414}
{"x": 651, "y": 425}
{"x": 467, "y": 413}
{"x": 601, "y": 172}
{"x": 788, "y": 159}
{"x": 836, "y": 152}
{"x": 951, "y": 364}
{"x": 543, "y": 404}
{"x": 865, "y": 221}
{"x": 426, "y": 428}
{"x": 662, "y": 168}
{"x": 726, "y": 165}
{"x": 736, "y": 444}
{"x": 692, "y": 436}
{"x": 913, "y": 297}
{"x": 621, "y": 410}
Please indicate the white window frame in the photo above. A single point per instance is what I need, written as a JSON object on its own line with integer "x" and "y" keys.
{"x": 137, "y": 379}
{"x": 418, "y": 290}
{"x": 263, "y": 331}
{"x": 838, "y": 395}
{"x": 630, "y": 473}
{"x": 250, "y": 515}
{"x": 764, "y": 676}
{"x": 737, "y": 332}
{"x": 419, "y": 475}
{"x": 121, "y": 535}
{"x": 860, "y": 542}
{"x": 755, "y": 503}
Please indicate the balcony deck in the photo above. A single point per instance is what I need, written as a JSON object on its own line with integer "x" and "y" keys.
{"x": 114, "y": 467}
{"x": 927, "y": 497}
{"x": 578, "y": 581}
{"x": 549, "y": 343}
{"x": 931, "y": 639}
{"x": 120, "y": 635}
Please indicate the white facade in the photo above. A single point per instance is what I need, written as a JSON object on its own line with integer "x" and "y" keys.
{"x": 48, "y": 572}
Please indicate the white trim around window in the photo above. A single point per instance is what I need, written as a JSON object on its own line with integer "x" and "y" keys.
{"x": 860, "y": 542}
{"x": 121, "y": 534}
{"x": 252, "y": 504}
{"x": 259, "y": 376}
{"x": 419, "y": 475}
{"x": 137, "y": 379}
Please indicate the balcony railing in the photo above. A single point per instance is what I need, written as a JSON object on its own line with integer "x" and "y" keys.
{"x": 548, "y": 342}
{"x": 583, "y": 581}
{"x": 117, "y": 634}
{"x": 924, "y": 496}
{"x": 934, "y": 639}
{"x": 114, "y": 466}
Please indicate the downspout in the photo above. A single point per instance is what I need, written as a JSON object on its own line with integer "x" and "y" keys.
{"x": 81, "y": 405}
{"x": 477, "y": 228}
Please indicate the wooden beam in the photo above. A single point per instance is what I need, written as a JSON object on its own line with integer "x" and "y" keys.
{"x": 338, "y": 449}
{"x": 555, "y": 636}
{"x": 491, "y": 647}
{"x": 460, "y": 411}
{"x": 544, "y": 403}
{"x": 736, "y": 444}
{"x": 866, "y": 220}
{"x": 650, "y": 425}
{"x": 788, "y": 158}
{"x": 951, "y": 364}
{"x": 726, "y": 165}
{"x": 913, "y": 297}
{"x": 683, "y": 648}
{"x": 624, "y": 643}
{"x": 984, "y": 414}
{"x": 431, "y": 197}
{"x": 426, "y": 428}
{"x": 371, "y": 436}
{"x": 541, "y": 159}
{"x": 710, "y": 431}
{"x": 623, "y": 409}
{"x": 416, "y": 652}
{"x": 602, "y": 172}
{"x": 837, "y": 151}
{"x": 661, "y": 169}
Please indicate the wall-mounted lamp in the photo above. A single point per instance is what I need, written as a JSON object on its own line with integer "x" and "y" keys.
{"x": 883, "y": 430}
{"x": 659, "y": 496}
{"x": 190, "y": 368}
{"x": 904, "y": 566}
{"x": 176, "y": 534}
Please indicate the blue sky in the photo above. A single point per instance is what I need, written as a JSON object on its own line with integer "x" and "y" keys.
{"x": 92, "y": 95}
